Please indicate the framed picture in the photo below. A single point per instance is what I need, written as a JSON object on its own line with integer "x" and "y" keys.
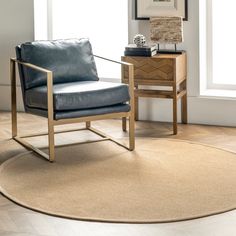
{"x": 144, "y": 9}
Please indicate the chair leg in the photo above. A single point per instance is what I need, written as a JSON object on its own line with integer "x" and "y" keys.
{"x": 14, "y": 122}
{"x": 124, "y": 124}
{"x": 88, "y": 124}
{"x": 51, "y": 142}
{"x": 13, "y": 98}
{"x": 131, "y": 132}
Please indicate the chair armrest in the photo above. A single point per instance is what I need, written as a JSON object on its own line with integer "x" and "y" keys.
{"x": 131, "y": 77}
{"x": 122, "y": 63}
{"x": 118, "y": 62}
{"x": 49, "y": 83}
{"x": 38, "y": 68}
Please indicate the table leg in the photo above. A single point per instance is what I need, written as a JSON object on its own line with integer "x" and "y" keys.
{"x": 175, "y": 117}
{"x": 175, "y": 129}
{"x": 184, "y": 109}
{"x": 136, "y": 106}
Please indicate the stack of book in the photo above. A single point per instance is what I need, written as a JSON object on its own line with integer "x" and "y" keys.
{"x": 145, "y": 51}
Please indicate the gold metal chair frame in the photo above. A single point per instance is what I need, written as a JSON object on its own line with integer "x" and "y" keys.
{"x": 52, "y": 122}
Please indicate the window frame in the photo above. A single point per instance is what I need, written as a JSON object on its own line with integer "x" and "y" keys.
{"x": 206, "y": 49}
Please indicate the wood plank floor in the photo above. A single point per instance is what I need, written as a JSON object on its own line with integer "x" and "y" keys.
{"x": 16, "y": 220}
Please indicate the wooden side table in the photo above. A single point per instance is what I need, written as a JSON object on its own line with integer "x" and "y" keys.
{"x": 169, "y": 70}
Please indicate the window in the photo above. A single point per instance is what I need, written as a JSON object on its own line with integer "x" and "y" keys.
{"x": 217, "y": 50}
{"x": 104, "y": 22}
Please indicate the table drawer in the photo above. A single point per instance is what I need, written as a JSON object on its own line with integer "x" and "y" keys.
{"x": 150, "y": 68}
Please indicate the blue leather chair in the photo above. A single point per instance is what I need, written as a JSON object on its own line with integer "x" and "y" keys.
{"x": 59, "y": 81}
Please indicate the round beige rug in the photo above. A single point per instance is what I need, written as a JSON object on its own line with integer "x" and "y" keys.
{"x": 162, "y": 181}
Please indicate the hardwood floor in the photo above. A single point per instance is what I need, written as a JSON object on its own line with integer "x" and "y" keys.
{"x": 18, "y": 221}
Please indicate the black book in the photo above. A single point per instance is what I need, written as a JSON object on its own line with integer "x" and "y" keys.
{"x": 145, "y": 48}
{"x": 140, "y": 53}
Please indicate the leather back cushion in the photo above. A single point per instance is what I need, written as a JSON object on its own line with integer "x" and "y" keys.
{"x": 70, "y": 60}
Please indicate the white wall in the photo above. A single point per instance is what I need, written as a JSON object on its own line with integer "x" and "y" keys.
{"x": 16, "y": 26}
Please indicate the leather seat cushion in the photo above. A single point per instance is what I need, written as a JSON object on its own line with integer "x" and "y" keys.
{"x": 78, "y": 95}
{"x": 70, "y": 60}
